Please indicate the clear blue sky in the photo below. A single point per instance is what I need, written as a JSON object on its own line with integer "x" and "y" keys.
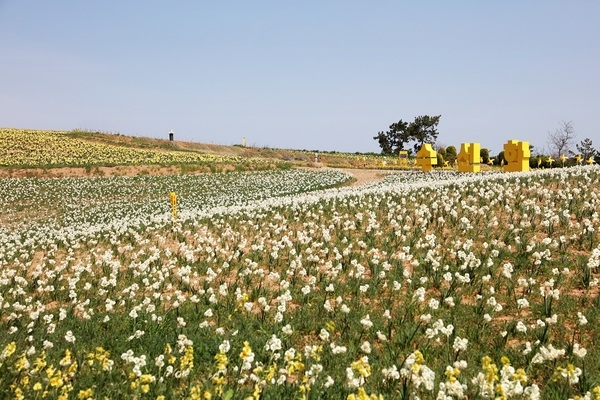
{"x": 324, "y": 75}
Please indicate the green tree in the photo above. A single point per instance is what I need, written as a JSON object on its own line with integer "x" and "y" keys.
{"x": 440, "y": 160}
{"x": 586, "y": 149}
{"x": 451, "y": 154}
{"x": 400, "y": 134}
{"x": 441, "y": 150}
{"x": 423, "y": 130}
{"x": 485, "y": 155}
{"x": 394, "y": 139}
{"x": 500, "y": 159}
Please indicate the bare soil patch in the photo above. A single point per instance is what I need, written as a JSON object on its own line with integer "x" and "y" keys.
{"x": 364, "y": 176}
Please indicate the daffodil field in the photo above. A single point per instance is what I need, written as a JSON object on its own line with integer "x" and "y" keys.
{"x": 285, "y": 285}
{"x": 31, "y": 148}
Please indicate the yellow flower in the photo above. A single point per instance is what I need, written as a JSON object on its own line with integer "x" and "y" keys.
{"x": 56, "y": 380}
{"x": 22, "y": 363}
{"x": 246, "y": 351}
{"x": 8, "y": 351}
{"x": 84, "y": 394}
{"x": 362, "y": 395}
{"x": 362, "y": 367}
{"x": 520, "y": 375}
{"x": 18, "y": 394}
{"x": 221, "y": 359}
{"x": 187, "y": 361}
{"x": 66, "y": 359}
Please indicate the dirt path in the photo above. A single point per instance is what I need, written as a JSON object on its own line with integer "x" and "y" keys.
{"x": 364, "y": 176}
{"x": 361, "y": 176}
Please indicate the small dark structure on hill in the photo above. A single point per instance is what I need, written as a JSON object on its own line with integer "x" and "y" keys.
{"x": 171, "y": 133}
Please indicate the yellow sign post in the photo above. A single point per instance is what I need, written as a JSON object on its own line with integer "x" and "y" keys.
{"x": 517, "y": 155}
{"x": 403, "y": 157}
{"x": 173, "y": 198}
{"x": 426, "y": 157}
{"x": 469, "y": 158}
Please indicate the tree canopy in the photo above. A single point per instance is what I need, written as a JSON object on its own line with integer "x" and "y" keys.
{"x": 586, "y": 149}
{"x": 401, "y": 134}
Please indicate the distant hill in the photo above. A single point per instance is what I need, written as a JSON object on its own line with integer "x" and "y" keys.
{"x": 67, "y": 153}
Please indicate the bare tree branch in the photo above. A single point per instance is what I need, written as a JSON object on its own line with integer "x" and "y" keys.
{"x": 561, "y": 140}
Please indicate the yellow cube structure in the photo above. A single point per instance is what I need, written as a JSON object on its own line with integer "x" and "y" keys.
{"x": 426, "y": 157}
{"x": 469, "y": 159}
{"x": 517, "y": 155}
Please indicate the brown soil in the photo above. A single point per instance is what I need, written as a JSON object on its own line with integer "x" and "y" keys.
{"x": 361, "y": 176}
{"x": 364, "y": 176}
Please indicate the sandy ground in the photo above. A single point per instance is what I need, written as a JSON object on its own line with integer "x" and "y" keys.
{"x": 364, "y": 176}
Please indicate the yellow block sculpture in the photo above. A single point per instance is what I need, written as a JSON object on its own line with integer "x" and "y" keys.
{"x": 469, "y": 159}
{"x": 426, "y": 157}
{"x": 517, "y": 155}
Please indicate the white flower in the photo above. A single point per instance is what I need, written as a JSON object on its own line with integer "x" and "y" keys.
{"x": 366, "y": 322}
{"x": 447, "y": 330}
{"x": 287, "y": 329}
{"x": 460, "y": 344}
{"x": 579, "y": 351}
{"x": 273, "y": 344}
{"x": 522, "y": 303}
{"x": 328, "y": 381}
{"x": 335, "y": 349}
{"x": 434, "y": 304}
{"x": 507, "y": 270}
{"x": 69, "y": 337}
{"x": 390, "y": 373}
{"x": 425, "y": 318}
{"x": 366, "y": 347}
